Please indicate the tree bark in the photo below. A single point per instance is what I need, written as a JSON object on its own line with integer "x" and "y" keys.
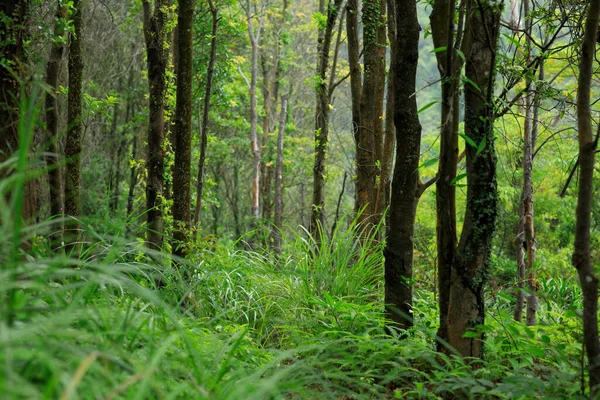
{"x": 183, "y": 127}
{"x": 469, "y": 271}
{"x": 206, "y": 111}
{"x": 74, "y": 129}
{"x": 582, "y": 260}
{"x": 322, "y": 115}
{"x": 154, "y": 22}
{"x": 404, "y": 198}
{"x": 443, "y": 33}
{"x": 278, "y": 220}
{"x": 370, "y": 130}
{"x": 51, "y": 104}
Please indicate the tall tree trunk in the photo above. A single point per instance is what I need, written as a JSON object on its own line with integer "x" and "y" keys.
{"x": 322, "y": 114}
{"x": 74, "y": 129}
{"x": 466, "y": 307}
{"x": 114, "y": 187}
{"x": 370, "y": 131}
{"x": 183, "y": 126}
{"x": 132, "y": 179}
{"x": 278, "y": 220}
{"x": 582, "y": 260}
{"x": 11, "y": 49}
{"x": 403, "y": 205}
{"x": 206, "y": 111}
{"x": 154, "y": 22}
{"x": 355, "y": 68}
{"x": 443, "y": 33}
{"x": 528, "y": 147}
{"x": 51, "y": 104}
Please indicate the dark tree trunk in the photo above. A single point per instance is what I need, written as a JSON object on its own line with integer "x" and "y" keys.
{"x": 183, "y": 126}
{"x": 582, "y": 260}
{"x": 154, "y": 22}
{"x": 405, "y": 192}
{"x": 11, "y": 51}
{"x": 369, "y": 146}
{"x": 132, "y": 179}
{"x": 442, "y": 29}
{"x": 74, "y": 129}
{"x": 206, "y": 111}
{"x": 354, "y": 64}
{"x": 322, "y": 116}
{"x": 114, "y": 188}
{"x": 469, "y": 271}
{"x": 278, "y": 221}
{"x": 51, "y": 104}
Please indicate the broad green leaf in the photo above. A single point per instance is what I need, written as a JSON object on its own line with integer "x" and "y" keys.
{"x": 439, "y": 49}
{"x": 481, "y": 146}
{"x": 426, "y": 106}
{"x": 429, "y": 163}
{"x": 469, "y": 141}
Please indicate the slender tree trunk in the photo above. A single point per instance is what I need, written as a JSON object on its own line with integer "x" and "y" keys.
{"x": 322, "y": 115}
{"x": 520, "y": 256}
{"x": 370, "y": 131}
{"x": 154, "y": 22}
{"x": 443, "y": 33}
{"x": 206, "y": 111}
{"x": 132, "y": 179}
{"x": 114, "y": 187}
{"x": 278, "y": 220}
{"x": 74, "y": 129}
{"x": 582, "y": 260}
{"x": 183, "y": 126}
{"x": 51, "y": 104}
{"x": 466, "y": 307}
{"x": 354, "y": 64}
{"x": 403, "y": 205}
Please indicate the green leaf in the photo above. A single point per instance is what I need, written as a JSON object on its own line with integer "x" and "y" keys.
{"x": 429, "y": 163}
{"x": 481, "y": 146}
{"x": 439, "y": 49}
{"x": 535, "y": 351}
{"x": 512, "y": 39}
{"x": 458, "y": 179}
{"x": 468, "y": 140}
{"x": 470, "y": 82}
{"x": 545, "y": 339}
{"x": 426, "y": 106}
{"x": 471, "y": 334}
{"x": 461, "y": 55}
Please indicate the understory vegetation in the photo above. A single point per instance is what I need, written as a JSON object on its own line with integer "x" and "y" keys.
{"x": 234, "y": 324}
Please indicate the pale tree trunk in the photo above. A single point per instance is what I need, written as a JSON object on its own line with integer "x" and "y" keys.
{"x": 254, "y": 145}
{"x": 466, "y": 308}
{"x": 74, "y": 128}
{"x": 183, "y": 127}
{"x": 405, "y": 185}
{"x": 205, "y": 112}
{"x": 154, "y": 22}
{"x": 582, "y": 259}
{"x": 449, "y": 65}
{"x": 370, "y": 130}
{"x": 322, "y": 115}
{"x": 278, "y": 221}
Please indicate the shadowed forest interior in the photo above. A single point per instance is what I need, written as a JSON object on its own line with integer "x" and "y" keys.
{"x": 294, "y": 199}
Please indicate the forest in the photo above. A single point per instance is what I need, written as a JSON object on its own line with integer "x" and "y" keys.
{"x": 295, "y": 199}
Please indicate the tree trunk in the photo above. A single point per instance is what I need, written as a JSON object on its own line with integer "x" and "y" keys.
{"x": 74, "y": 129}
{"x": 403, "y": 205}
{"x": 132, "y": 179}
{"x": 11, "y": 50}
{"x": 469, "y": 271}
{"x": 278, "y": 220}
{"x": 442, "y": 29}
{"x": 206, "y": 111}
{"x": 370, "y": 131}
{"x": 582, "y": 260}
{"x": 51, "y": 104}
{"x": 154, "y": 22}
{"x": 183, "y": 127}
{"x": 322, "y": 115}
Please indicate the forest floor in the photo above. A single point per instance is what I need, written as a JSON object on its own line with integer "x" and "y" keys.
{"x": 235, "y": 324}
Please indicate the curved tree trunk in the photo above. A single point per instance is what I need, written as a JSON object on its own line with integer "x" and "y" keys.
{"x": 582, "y": 260}
{"x": 322, "y": 116}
